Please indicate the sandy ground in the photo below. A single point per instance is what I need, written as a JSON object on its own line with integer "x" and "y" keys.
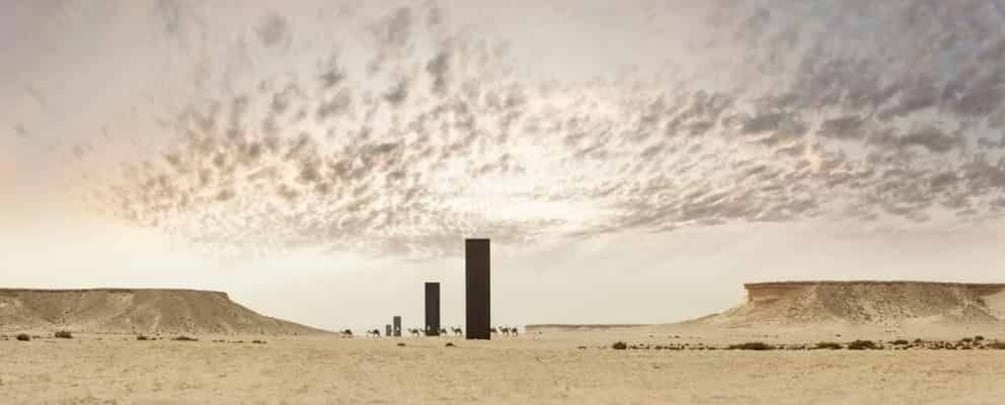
{"x": 546, "y": 368}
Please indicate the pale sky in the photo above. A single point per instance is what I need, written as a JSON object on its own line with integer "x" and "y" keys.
{"x": 633, "y": 162}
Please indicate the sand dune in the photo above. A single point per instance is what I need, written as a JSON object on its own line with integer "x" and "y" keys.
{"x": 136, "y": 311}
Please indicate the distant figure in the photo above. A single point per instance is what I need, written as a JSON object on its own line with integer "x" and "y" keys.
{"x": 514, "y": 331}
{"x": 457, "y": 331}
{"x": 415, "y": 331}
{"x": 373, "y": 332}
{"x": 347, "y": 333}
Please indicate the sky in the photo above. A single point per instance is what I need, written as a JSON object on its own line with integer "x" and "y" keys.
{"x": 632, "y": 162}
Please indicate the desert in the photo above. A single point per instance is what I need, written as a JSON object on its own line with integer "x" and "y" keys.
{"x": 502, "y": 202}
{"x": 928, "y": 357}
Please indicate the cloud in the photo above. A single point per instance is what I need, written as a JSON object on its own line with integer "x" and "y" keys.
{"x": 931, "y": 138}
{"x": 274, "y": 30}
{"x": 419, "y": 148}
{"x": 20, "y": 131}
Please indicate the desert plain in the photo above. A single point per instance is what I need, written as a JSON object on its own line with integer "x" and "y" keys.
{"x": 789, "y": 343}
{"x": 555, "y": 366}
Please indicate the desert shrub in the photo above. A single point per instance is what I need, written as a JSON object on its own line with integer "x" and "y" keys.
{"x": 619, "y": 345}
{"x": 259, "y": 342}
{"x": 64, "y": 334}
{"x": 751, "y": 346}
{"x": 966, "y": 340}
{"x": 978, "y": 338}
{"x": 24, "y": 337}
{"x": 401, "y": 345}
{"x": 449, "y": 344}
{"x": 184, "y": 338}
{"x": 828, "y": 345}
{"x": 862, "y": 345}
{"x": 996, "y": 345}
{"x": 901, "y": 342}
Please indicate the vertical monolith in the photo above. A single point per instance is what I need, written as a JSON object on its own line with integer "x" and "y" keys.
{"x": 476, "y": 274}
{"x": 387, "y": 330}
{"x": 397, "y": 326}
{"x": 432, "y": 309}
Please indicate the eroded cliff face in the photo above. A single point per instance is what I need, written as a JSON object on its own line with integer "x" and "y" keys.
{"x": 867, "y": 302}
{"x": 135, "y": 311}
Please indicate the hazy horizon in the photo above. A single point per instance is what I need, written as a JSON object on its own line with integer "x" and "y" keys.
{"x": 632, "y": 163}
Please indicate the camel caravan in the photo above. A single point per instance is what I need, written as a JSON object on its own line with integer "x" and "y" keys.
{"x": 510, "y": 331}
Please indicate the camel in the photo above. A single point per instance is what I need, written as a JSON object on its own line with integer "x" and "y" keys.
{"x": 415, "y": 331}
{"x": 457, "y": 331}
{"x": 373, "y": 332}
{"x": 504, "y": 330}
{"x": 514, "y": 331}
{"x": 494, "y": 331}
{"x": 443, "y": 332}
{"x": 347, "y": 333}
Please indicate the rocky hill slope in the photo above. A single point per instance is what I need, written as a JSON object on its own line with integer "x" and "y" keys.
{"x": 136, "y": 311}
{"x": 865, "y": 302}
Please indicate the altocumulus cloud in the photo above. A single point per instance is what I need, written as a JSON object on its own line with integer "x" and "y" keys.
{"x": 856, "y": 109}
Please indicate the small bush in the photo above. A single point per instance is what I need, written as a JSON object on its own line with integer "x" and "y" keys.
{"x": 64, "y": 334}
{"x": 901, "y": 342}
{"x": 978, "y": 338}
{"x": 619, "y": 345}
{"x": 185, "y": 339}
{"x": 259, "y": 342}
{"x": 24, "y": 337}
{"x": 966, "y": 340}
{"x": 401, "y": 345}
{"x": 828, "y": 345}
{"x": 449, "y": 344}
{"x": 862, "y": 345}
{"x": 996, "y": 345}
{"x": 751, "y": 346}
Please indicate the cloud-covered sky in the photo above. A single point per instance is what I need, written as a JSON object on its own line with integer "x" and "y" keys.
{"x": 218, "y": 132}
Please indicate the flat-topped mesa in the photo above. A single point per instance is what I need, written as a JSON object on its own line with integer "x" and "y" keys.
{"x": 135, "y": 310}
{"x": 9, "y": 291}
{"x": 867, "y": 302}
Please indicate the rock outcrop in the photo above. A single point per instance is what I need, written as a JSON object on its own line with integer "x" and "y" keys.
{"x": 136, "y": 311}
{"x": 866, "y": 302}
